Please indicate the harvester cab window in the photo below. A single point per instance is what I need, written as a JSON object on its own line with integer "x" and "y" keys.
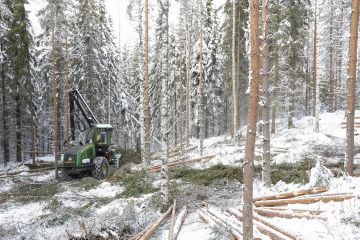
{"x": 101, "y": 138}
{"x": 89, "y": 136}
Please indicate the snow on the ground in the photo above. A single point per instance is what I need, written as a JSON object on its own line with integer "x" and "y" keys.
{"x": 294, "y": 145}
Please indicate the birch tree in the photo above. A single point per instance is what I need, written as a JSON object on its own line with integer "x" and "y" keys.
{"x": 252, "y": 119}
{"x": 349, "y": 160}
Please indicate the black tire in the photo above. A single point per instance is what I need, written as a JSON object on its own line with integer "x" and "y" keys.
{"x": 101, "y": 168}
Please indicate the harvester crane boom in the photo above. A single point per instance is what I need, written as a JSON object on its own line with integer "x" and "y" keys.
{"x": 76, "y": 98}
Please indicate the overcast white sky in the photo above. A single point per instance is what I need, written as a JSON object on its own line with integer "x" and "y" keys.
{"x": 117, "y": 11}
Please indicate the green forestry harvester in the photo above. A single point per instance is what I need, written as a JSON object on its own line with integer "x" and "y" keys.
{"x": 95, "y": 154}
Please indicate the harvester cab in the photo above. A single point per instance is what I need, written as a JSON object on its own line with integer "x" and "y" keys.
{"x": 95, "y": 154}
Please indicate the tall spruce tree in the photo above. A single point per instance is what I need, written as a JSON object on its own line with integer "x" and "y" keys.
{"x": 20, "y": 54}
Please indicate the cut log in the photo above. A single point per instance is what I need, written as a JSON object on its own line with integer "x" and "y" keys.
{"x": 258, "y": 219}
{"x": 179, "y": 221}
{"x": 153, "y": 228}
{"x": 293, "y": 194}
{"x": 228, "y": 222}
{"x": 171, "y": 230}
{"x": 283, "y": 214}
{"x": 314, "y": 212}
{"x": 207, "y": 215}
{"x": 309, "y": 200}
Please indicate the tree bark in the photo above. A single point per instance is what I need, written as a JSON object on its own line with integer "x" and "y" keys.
{"x": 349, "y": 160}
{"x": 54, "y": 96}
{"x": 266, "y": 171}
{"x": 331, "y": 75}
{"x": 200, "y": 88}
{"x": 188, "y": 77}
{"x": 316, "y": 81}
{"x": 6, "y": 151}
{"x": 252, "y": 118}
{"x": 180, "y": 79}
{"x": 234, "y": 92}
{"x": 147, "y": 120}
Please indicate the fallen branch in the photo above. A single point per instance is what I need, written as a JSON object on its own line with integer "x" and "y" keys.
{"x": 283, "y": 214}
{"x": 293, "y": 194}
{"x": 153, "y": 228}
{"x": 309, "y": 200}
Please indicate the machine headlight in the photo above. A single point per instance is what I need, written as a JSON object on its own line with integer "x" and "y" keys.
{"x": 70, "y": 159}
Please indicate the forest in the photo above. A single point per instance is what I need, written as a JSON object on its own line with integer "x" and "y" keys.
{"x": 224, "y": 111}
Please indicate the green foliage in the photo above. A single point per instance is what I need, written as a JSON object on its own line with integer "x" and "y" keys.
{"x": 207, "y": 176}
{"x": 291, "y": 173}
{"x": 129, "y": 155}
{"x": 137, "y": 184}
{"x": 86, "y": 183}
{"x": 34, "y": 192}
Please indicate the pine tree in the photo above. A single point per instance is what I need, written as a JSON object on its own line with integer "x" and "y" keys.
{"x": 266, "y": 171}
{"x": 349, "y": 161}
{"x": 252, "y": 117}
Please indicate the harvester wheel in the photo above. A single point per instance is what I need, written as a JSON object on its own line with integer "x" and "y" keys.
{"x": 101, "y": 168}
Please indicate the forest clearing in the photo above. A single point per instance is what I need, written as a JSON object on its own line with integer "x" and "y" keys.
{"x": 34, "y": 203}
{"x": 179, "y": 119}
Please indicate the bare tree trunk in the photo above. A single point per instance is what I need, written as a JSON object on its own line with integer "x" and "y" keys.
{"x": 316, "y": 81}
{"x": 339, "y": 63}
{"x": 5, "y": 113}
{"x": 308, "y": 84}
{"x": 200, "y": 91}
{"x": 331, "y": 75}
{"x": 54, "y": 97}
{"x": 180, "y": 79}
{"x": 164, "y": 112}
{"x": 18, "y": 123}
{"x": 234, "y": 92}
{"x": 147, "y": 120}
{"x": 275, "y": 80}
{"x": 251, "y": 122}
{"x": 187, "y": 100}
{"x": 266, "y": 171}
{"x": 31, "y": 106}
{"x": 349, "y": 160}
{"x": 66, "y": 96}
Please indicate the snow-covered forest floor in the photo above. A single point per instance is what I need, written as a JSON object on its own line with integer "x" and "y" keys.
{"x": 33, "y": 205}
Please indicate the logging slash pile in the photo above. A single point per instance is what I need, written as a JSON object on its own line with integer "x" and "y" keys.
{"x": 229, "y": 220}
